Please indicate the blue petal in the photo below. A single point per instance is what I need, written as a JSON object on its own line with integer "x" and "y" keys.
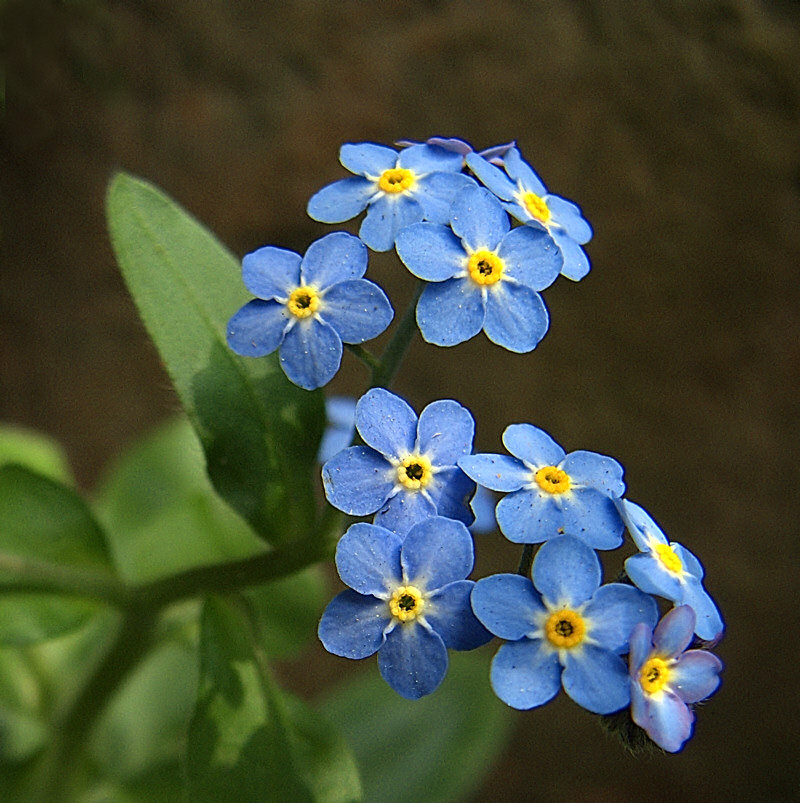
{"x": 352, "y": 625}
{"x": 641, "y": 648}
{"x": 342, "y": 200}
{"x": 614, "y": 611}
{"x": 531, "y": 257}
{"x": 695, "y": 676}
{"x": 640, "y": 524}
{"x": 499, "y": 472}
{"x": 596, "y": 470}
{"x": 386, "y": 423}
{"x": 311, "y": 353}
{"x": 436, "y": 193}
{"x": 592, "y": 517}
{"x": 403, "y": 510}
{"x": 430, "y": 251}
{"x": 451, "y": 616}
{"x": 675, "y": 631}
{"x": 494, "y": 178}
{"x": 451, "y": 491}
{"x": 478, "y": 218}
{"x": 334, "y": 258}
{"x": 425, "y": 158}
{"x": 533, "y": 445}
{"x": 358, "y": 310}
{"x": 482, "y": 505}
{"x": 525, "y": 518}
{"x": 450, "y": 312}
{"x": 647, "y": 572}
{"x": 566, "y": 572}
{"x": 368, "y": 560}
{"x": 516, "y": 317}
{"x": 522, "y": 172}
{"x": 413, "y": 660}
{"x": 436, "y": 552}
{"x": 575, "y": 261}
{"x": 357, "y": 480}
{"x": 508, "y": 605}
{"x": 367, "y": 158}
{"x": 709, "y": 621}
{"x": 596, "y": 679}
{"x": 385, "y": 217}
{"x": 667, "y": 720}
{"x": 271, "y": 272}
{"x": 340, "y": 412}
{"x": 257, "y": 328}
{"x": 524, "y": 675}
{"x": 688, "y": 560}
{"x": 568, "y": 216}
{"x": 445, "y": 432}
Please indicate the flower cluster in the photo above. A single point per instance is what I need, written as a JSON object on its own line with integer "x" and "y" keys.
{"x": 486, "y": 238}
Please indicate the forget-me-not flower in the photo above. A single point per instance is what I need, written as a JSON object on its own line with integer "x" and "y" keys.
{"x": 396, "y": 189}
{"x": 340, "y": 426}
{"x": 408, "y": 601}
{"x": 526, "y": 198}
{"x": 562, "y": 629}
{"x": 549, "y": 492}
{"x": 307, "y": 306}
{"x": 665, "y": 677}
{"x": 668, "y": 570}
{"x": 483, "y": 274}
{"x": 407, "y": 470}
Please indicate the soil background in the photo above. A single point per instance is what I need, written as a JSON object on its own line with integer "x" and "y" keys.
{"x": 675, "y": 125}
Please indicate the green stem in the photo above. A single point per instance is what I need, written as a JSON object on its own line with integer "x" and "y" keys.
{"x": 526, "y": 561}
{"x": 365, "y": 355}
{"x": 394, "y": 352}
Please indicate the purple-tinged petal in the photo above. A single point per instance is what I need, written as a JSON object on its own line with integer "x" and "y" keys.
{"x": 336, "y": 257}
{"x": 450, "y": 312}
{"x": 695, "y": 676}
{"x": 516, "y": 317}
{"x": 311, "y": 353}
{"x": 413, "y": 660}
{"x": 450, "y": 615}
{"x": 533, "y": 445}
{"x": 430, "y": 251}
{"x": 385, "y": 217}
{"x": 386, "y": 423}
{"x": 357, "y": 480}
{"x": 595, "y": 470}
{"x": 667, "y": 720}
{"x": 614, "y": 611}
{"x": 566, "y": 572}
{"x": 352, "y": 625}
{"x": 524, "y": 675}
{"x": 675, "y": 631}
{"x": 596, "y": 679}
{"x": 478, "y": 218}
{"x": 498, "y": 472}
{"x": 508, "y": 605}
{"x": 367, "y": 158}
{"x": 403, "y": 510}
{"x": 531, "y": 257}
{"x": 494, "y": 178}
{"x": 436, "y": 552}
{"x": 640, "y": 648}
{"x": 436, "y": 193}
{"x": 445, "y": 432}
{"x": 271, "y": 272}
{"x": 257, "y": 328}
{"x": 342, "y": 200}
{"x": 428, "y": 158}
{"x": 358, "y": 310}
{"x": 368, "y": 560}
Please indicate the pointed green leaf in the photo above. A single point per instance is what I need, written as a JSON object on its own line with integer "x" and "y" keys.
{"x": 259, "y": 432}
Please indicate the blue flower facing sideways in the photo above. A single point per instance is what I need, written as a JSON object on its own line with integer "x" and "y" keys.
{"x": 408, "y": 600}
{"x": 407, "y": 470}
{"x": 306, "y": 306}
{"x": 666, "y": 678}
{"x": 396, "y": 189}
{"x": 549, "y": 492}
{"x": 527, "y": 199}
{"x": 563, "y": 628}
{"x": 668, "y": 570}
{"x": 482, "y": 274}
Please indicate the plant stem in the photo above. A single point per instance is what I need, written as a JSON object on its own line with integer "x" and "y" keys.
{"x": 394, "y": 352}
{"x": 525, "y": 561}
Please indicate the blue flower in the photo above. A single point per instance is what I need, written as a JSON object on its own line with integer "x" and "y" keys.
{"x": 408, "y": 601}
{"x": 528, "y": 201}
{"x": 550, "y": 493}
{"x": 407, "y": 471}
{"x": 396, "y": 189}
{"x": 668, "y": 570}
{"x": 340, "y": 412}
{"x": 665, "y": 677}
{"x": 483, "y": 504}
{"x": 562, "y": 629}
{"x": 483, "y": 274}
{"x": 307, "y": 306}
{"x": 494, "y": 154}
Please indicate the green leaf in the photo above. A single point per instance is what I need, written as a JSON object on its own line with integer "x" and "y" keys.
{"x": 35, "y": 451}
{"x": 246, "y": 740}
{"x": 47, "y": 536}
{"x": 259, "y": 432}
{"x": 436, "y": 749}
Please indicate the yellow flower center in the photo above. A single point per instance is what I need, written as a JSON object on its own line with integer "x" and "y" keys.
{"x": 414, "y": 472}
{"x": 536, "y": 207}
{"x": 565, "y": 629}
{"x": 303, "y": 302}
{"x": 654, "y": 675}
{"x": 552, "y": 480}
{"x": 485, "y": 267}
{"x": 670, "y": 561}
{"x": 397, "y": 179}
{"x": 406, "y": 603}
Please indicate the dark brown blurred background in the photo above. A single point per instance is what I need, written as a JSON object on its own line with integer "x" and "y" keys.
{"x": 675, "y": 125}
